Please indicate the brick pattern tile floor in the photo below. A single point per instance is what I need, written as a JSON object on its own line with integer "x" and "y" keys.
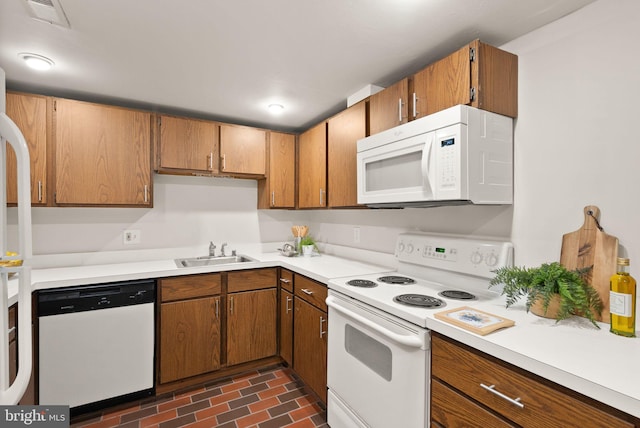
{"x": 270, "y": 398}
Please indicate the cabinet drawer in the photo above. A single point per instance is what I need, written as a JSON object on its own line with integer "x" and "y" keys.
{"x": 450, "y": 409}
{"x": 286, "y": 280}
{"x": 311, "y": 291}
{"x": 544, "y": 403}
{"x": 190, "y": 286}
{"x": 254, "y": 279}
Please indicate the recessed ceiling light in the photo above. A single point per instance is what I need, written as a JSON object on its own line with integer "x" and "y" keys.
{"x": 275, "y": 108}
{"x": 35, "y": 61}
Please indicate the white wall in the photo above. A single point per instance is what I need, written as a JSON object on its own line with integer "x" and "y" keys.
{"x": 575, "y": 145}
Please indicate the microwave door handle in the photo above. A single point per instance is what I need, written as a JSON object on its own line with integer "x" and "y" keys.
{"x": 428, "y": 173}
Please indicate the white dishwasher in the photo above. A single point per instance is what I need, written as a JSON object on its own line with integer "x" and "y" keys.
{"x": 96, "y": 344}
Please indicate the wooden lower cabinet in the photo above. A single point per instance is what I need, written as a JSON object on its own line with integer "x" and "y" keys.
{"x": 286, "y": 326}
{"x": 251, "y": 325}
{"x": 310, "y": 340}
{"x": 459, "y": 399}
{"x": 189, "y": 338}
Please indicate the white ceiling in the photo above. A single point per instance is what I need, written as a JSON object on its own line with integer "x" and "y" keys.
{"x": 227, "y": 60}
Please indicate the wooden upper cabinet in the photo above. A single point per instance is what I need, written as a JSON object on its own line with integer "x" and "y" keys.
{"x": 31, "y": 114}
{"x": 389, "y": 107}
{"x": 278, "y": 190}
{"x": 242, "y": 150}
{"x": 478, "y": 75}
{"x": 344, "y": 131}
{"x": 312, "y": 167}
{"x": 103, "y": 155}
{"x": 187, "y": 145}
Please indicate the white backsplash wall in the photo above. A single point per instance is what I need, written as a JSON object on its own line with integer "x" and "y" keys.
{"x": 188, "y": 211}
{"x": 576, "y": 136}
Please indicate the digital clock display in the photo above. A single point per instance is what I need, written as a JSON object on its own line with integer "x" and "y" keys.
{"x": 447, "y": 142}
{"x": 440, "y": 250}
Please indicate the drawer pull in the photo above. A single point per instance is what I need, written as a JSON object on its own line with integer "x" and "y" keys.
{"x": 288, "y": 308}
{"x": 492, "y": 389}
{"x": 305, "y": 291}
{"x": 285, "y": 280}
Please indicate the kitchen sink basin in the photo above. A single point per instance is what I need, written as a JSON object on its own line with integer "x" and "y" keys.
{"x": 212, "y": 261}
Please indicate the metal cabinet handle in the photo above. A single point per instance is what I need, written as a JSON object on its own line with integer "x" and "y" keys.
{"x": 231, "y": 304}
{"x": 217, "y": 308}
{"x": 146, "y": 193}
{"x": 306, "y": 291}
{"x": 322, "y": 332}
{"x": 273, "y": 199}
{"x": 415, "y": 105}
{"x": 224, "y": 161}
{"x": 321, "y": 198}
{"x": 285, "y": 280}
{"x": 39, "y": 191}
{"x": 492, "y": 390}
{"x": 287, "y": 307}
{"x": 211, "y": 161}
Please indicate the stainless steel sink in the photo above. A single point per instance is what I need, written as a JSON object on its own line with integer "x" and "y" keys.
{"x": 212, "y": 261}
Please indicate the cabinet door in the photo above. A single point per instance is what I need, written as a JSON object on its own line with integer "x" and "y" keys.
{"x": 189, "y": 338}
{"x": 188, "y": 144}
{"x": 30, "y": 113}
{"x": 286, "y": 326}
{"x": 443, "y": 84}
{"x": 242, "y": 150}
{"x": 310, "y": 346}
{"x": 312, "y": 167}
{"x": 388, "y": 108}
{"x": 494, "y": 75}
{"x": 251, "y": 326}
{"x": 344, "y": 131}
{"x": 282, "y": 174}
{"x": 103, "y": 155}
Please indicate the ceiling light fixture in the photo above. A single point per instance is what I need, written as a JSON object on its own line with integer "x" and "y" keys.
{"x": 275, "y": 108}
{"x": 35, "y": 61}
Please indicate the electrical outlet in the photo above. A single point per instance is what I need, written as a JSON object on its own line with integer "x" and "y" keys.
{"x": 131, "y": 237}
{"x": 356, "y": 235}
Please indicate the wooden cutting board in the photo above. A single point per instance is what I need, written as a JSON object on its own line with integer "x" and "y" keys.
{"x": 589, "y": 246}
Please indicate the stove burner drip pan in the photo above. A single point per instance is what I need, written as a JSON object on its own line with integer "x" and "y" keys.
{"x": 364, "y": 283}
{"x": 457, "y": 295}
{"x": 395, "y": 279}
{"x": 419, "y": 300}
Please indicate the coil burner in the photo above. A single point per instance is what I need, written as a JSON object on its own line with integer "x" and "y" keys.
{"x": 419, "y": 300}
{"x": 457, "y": 295}
{"x": 395, "y": 279}
{"x": 364, "y": 283}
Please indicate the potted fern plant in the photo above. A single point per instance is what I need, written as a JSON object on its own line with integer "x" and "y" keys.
{"x": 551, "y": 291}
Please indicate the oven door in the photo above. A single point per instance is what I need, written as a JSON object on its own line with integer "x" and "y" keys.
{"x": 378, "y": 367}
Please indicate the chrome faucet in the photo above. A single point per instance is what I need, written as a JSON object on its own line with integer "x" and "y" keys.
{"x": 222, "y": 254}
{"x": 212, "y": 249}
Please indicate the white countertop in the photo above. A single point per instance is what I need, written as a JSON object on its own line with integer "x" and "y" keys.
{"x": 571, "y": 353}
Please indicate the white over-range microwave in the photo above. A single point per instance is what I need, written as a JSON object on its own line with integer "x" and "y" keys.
{"x": 461, "y": 155}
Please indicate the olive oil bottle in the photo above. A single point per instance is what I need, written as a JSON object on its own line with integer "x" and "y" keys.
{"x": 622, "y": 300}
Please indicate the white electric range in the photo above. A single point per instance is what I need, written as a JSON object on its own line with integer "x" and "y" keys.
{"x": 379, "y": 347}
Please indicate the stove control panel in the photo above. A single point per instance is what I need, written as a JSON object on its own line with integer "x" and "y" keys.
{"x": 478, "y": 257}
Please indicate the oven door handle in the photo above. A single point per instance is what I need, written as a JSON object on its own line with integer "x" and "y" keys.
{"x": 411, "y": 341}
